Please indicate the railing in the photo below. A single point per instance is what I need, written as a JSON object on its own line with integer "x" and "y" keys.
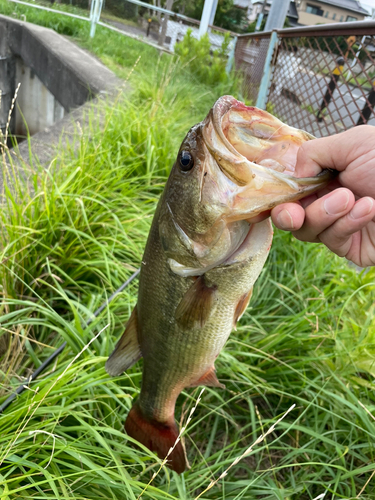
{"x": 154, "y": 25}
{"x": 318, "y": 78}
{"x": 164, "y": 27}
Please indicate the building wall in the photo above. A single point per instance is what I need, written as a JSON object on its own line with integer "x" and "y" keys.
{"x": 331, "y": 14}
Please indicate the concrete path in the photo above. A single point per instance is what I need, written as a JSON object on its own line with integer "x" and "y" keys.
{"x": 133, "y": 30}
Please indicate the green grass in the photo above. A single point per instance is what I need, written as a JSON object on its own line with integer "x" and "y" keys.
{"x": 75, "y": 233}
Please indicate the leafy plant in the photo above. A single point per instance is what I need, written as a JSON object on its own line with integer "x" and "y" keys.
{"x": 199, "y": 59}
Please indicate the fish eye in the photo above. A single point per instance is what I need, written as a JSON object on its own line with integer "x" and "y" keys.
{"x": 186, "y": 161}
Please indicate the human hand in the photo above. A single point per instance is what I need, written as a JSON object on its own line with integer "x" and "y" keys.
{"x": 341, "y": 215}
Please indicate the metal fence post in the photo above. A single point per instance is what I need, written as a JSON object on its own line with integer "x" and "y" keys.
{"x": 229, "y": 66}
{"x": 96, "y": 10}
{"x": 267, "y": 73}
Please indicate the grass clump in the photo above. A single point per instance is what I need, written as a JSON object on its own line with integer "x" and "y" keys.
{"x": 72, "y": 234}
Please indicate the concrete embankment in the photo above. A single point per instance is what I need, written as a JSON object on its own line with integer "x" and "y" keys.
{"x": 59, "y": 83}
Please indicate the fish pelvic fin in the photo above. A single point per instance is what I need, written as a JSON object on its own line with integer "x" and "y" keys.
{"x": 159, "y": 437}
{"x": 197, "y": 305}
{"x": 127, "y": 351}
{"x": 241, "y": 306}
{"x": 209, "y": 379}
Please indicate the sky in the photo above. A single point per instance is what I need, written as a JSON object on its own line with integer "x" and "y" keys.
{"x": 368, "y": 4}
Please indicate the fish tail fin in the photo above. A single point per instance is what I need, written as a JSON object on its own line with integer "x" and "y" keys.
{"x": 158, "y": 437}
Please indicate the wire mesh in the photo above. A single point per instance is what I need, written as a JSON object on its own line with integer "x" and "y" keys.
{"x": 249, "y": 62}
{"x": 322, "y": 84}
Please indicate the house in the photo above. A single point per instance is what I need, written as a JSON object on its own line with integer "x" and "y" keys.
{"x": 309, "y": 12}
{"x": 243, "y": 4}
{"x": 329, "y": 11}
{"x": 292, "y": 14}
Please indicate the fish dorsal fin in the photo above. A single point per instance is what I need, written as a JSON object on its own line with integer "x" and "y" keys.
{"x": 209, "y": 379}
{"x": 241, "y": 306}
{"x": 127, "y": 351}
{"x": 196, "y": 305}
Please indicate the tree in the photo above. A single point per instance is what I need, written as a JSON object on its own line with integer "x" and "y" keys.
{"x": 228, "y": 16}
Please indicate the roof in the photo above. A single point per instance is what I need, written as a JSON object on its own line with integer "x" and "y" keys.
{"x": 352, "y": 5}
{"x": 292, "y": 11}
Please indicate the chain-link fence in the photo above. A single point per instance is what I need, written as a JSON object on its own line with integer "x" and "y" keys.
{"x": 320, "y": 78}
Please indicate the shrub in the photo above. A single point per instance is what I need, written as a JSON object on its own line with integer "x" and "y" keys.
{"x": 206, "y": 64}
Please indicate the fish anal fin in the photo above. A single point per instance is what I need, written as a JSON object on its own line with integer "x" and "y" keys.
{"x": 241, "y": 306}
{"x": 208, "y": 379}
{"x": 158, "y": 437}
{"x": 127, "y": 351}
{"x": 196, "y": 305}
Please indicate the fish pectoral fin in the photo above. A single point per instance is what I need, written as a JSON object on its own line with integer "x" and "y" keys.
{"x": 209, "y": 379}
{"x": 127, "y": 351}
{"x": 197, "y": 305}
{"x": 241, "y": 306}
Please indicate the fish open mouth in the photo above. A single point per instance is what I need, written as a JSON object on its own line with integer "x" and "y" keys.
{"x": 257, "y": 152}
{"x": 250, "y": 170}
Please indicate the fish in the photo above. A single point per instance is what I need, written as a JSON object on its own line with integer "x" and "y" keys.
{"x": 202, "y": 258}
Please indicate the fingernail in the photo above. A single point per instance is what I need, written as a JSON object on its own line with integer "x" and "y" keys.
{"x": 336, "y": 203}
{"x": 361, "y": 208}
{"x": 284, "y": 220}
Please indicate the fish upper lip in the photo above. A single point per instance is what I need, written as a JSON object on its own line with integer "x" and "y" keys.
{"x": 227, "y": 155}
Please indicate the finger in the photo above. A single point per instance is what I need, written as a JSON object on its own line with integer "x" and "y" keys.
{"x": 341, "y": 237}
{"x": 259, "y": 217}
{"x": 335, "y": 152}
{"x": 289, "y": 216}
{"x": 324, "y": 212}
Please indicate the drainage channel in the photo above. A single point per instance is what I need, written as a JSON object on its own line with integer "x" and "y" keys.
{"x": 55, "y": 77}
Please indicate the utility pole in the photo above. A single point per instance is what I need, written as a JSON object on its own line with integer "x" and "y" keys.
{"x": 275, "y": 20}
{"x": 164, "y": 25}
{"x": 213, "y": 12}
{"x": 206, "y": 16}
{"x": 277, "y": 15}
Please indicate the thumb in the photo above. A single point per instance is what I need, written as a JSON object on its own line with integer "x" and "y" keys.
{"x": 335, "y": 152}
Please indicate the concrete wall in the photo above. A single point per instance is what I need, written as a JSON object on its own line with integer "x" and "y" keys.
{"x": 56, "y": 76}
{"x": 7, "y": 81}
{"x": 37, "y": 107}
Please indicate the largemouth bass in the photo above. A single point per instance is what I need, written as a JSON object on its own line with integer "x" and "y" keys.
{"x": 202, "y": 259}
